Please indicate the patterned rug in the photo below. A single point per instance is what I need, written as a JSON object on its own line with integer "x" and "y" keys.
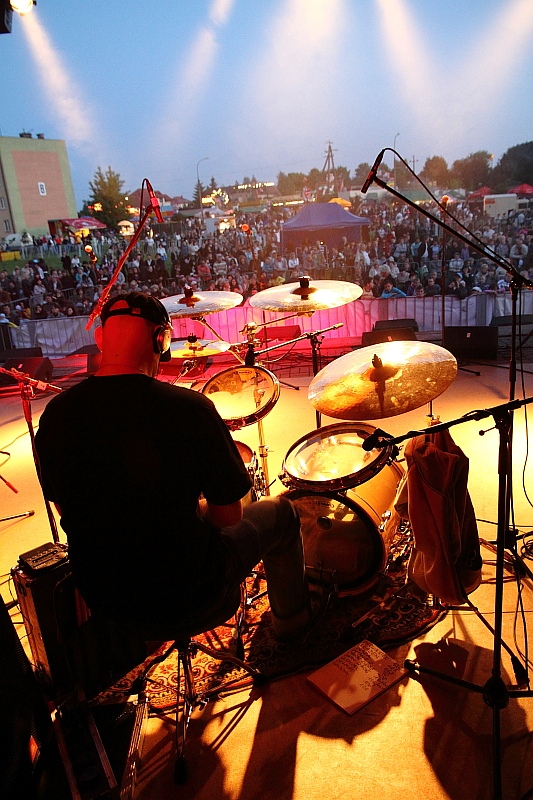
{"x": 392, "y": 613}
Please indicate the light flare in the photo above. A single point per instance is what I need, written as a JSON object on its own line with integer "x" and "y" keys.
{"x": 60, "y": 89}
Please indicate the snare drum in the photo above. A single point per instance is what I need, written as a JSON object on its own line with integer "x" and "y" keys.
{"x": 332, "y": 458}
{"x": 347, "y": 536}
{"x": 243, "y": 395}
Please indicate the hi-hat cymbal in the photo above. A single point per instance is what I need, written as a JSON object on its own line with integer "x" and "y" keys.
{"x": 306, "y": 296}
{"x": 197, "y": 304}
{"x": 198, "y": 348}
{"x": 382, "y": 380}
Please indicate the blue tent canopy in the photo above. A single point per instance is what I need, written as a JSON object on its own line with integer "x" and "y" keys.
{"x": 328, "y": 222}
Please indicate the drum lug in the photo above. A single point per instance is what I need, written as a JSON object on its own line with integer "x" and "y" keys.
{"x": 385, "y": 519}
{"x": 284, "y": 478}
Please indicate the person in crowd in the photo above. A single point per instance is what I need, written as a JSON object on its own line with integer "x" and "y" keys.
{"x": 390, "y": 290}
{"x": 146, "y": 489}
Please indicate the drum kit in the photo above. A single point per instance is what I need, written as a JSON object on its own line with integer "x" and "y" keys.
{"x": 343, "y": 487}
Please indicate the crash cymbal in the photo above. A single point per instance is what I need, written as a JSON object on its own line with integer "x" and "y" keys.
{"x": 382, "y": 380}
{"x": 198, "y": 348}
{"x": 197, "y": 304}
{"x": 306, "y": 296}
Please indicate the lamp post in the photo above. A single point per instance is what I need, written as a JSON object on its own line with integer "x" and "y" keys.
{"x": 206, "y": 158}
{"x": 394, "y": 148}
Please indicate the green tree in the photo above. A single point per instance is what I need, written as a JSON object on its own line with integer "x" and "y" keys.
{"x": 108, "y": 203}
{"x": 292, "y": 183}
{"x": 473, "y": 171}
{"x": 436, "y": 172}
{"x": 360, "y": 173}
{"x": 198, "y": 187}
{"x": 514, "y": 167}
{"x": 213, "y": 185}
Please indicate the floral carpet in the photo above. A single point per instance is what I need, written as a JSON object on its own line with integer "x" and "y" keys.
{"x": 391, "y": 613}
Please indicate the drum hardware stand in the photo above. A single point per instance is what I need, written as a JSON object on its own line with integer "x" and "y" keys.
{"x": 26, "y": 387}
{"x": 495, "y": 693}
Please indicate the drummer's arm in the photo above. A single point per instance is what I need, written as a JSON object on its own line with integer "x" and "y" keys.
{"x": 221, "y": 516}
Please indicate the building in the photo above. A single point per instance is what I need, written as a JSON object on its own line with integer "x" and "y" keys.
{"x": 35, "y": 184}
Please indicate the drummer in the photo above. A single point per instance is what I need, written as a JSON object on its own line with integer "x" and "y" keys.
{"x": 126, "y": 459}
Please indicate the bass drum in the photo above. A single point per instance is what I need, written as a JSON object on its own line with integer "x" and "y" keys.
{"x": 347, "y": 536}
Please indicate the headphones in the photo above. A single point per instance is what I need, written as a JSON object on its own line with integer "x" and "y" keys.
{"x": 162, "y": 338}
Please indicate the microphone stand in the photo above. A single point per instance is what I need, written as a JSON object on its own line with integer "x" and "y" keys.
{"x": 495, "y": 693}
{"x": 26, "y": 388}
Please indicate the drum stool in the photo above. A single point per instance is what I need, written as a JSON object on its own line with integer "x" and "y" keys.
{"x": 187, "y": 696}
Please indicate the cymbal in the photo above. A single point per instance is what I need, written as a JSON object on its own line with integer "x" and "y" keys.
{"x": 197, "y": 304}
{"x": 201, "y": 347}
{"x": 382, "y": 380}
{"x": 306, "y": 296}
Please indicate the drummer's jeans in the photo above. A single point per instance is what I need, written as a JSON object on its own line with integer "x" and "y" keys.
{"x": 270, "y": 531}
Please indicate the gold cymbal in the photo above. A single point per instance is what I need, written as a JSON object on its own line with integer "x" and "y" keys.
{"x": 306, "y": 296}
{"x": 197, "y": 304}
{"x": 198, "y": 348}
{"x": 382, "y": 380}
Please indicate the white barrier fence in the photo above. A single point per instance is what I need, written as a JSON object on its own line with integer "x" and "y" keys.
{"x": 61, "y": 337}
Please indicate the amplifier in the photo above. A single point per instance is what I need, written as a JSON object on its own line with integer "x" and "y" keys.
{"x": 45, "y": 593}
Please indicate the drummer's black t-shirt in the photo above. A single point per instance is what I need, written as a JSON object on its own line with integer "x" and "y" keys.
{"x": 126, "y": 458}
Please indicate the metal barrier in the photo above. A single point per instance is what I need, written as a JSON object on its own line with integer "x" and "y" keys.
{"x": 64, "y": 336}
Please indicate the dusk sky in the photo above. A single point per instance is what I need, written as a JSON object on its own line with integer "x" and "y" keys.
{"x": 259, "y": 87}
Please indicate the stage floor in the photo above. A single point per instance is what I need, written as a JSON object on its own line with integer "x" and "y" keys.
{"x": 421, "y": 739}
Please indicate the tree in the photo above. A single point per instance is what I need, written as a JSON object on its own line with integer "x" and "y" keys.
{"x": 360, "y": 173}
{"x": 472, "y": 172}
{"x": 108, "y": 203}
{"x": 436, "y": 172}
{"x": 213, "y": 185}
{"x": 514, "y": 167}
{"x": 292, "y": 183}
{"x": 198, "y": 188}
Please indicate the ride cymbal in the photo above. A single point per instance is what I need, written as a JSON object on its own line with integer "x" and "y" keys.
{"x": 197, "y": 304}
{"x": 198, "y": 348}
{"x": 382, "y": 380}
{"x": 306, "y": 296}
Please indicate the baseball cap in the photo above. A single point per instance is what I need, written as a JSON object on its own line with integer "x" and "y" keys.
{"x": 138, "y": 304}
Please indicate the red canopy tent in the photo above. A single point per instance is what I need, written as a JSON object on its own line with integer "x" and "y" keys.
{"x": 524, "y": 190}
{"x": 478, "y": 194}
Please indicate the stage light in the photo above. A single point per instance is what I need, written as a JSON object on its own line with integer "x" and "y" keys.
{"x": 23, "y": 6}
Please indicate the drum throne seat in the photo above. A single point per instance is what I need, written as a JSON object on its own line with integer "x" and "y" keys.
{"x": 182, "y": 640}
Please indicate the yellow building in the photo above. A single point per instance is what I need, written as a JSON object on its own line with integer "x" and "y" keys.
{"x": 35, "y": 184}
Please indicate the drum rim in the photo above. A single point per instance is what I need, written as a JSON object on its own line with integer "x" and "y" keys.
{"x": 385, "y": 457}
{"x": 243, "y": 421}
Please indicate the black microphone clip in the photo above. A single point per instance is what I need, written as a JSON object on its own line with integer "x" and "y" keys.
{"x": 378, "y": 438}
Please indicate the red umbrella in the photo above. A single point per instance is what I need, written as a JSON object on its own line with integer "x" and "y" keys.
{"x": 523, "y": 189}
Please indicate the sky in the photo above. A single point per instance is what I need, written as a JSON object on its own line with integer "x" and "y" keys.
{"x": 179, "y": 89}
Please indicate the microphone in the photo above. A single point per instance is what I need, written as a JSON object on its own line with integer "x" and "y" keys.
{"x": 372, "y": 174}
{"x": 375, "y": 439}
{"x": 154, "y": 202}
{"x": 92, "y": 255}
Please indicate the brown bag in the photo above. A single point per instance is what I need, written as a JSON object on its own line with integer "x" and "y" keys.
{"x": 446, "y": 559}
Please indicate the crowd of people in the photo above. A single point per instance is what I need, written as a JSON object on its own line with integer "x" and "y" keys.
{"x": 403, "y": 255}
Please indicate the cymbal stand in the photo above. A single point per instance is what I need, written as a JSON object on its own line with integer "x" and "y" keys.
{"x": 316, "y": 338}
{"x": 495, "y": 693}
{"x": 26, "y": 388}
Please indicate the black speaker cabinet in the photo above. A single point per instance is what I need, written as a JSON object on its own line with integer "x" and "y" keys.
{"x": 472, "y": 342}
{"x": 392, "y": 335}
{"x": 388, "y": 324}
{"x": 40, "y": 369}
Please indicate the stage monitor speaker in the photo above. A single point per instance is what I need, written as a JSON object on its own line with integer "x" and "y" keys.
{"x": 40, "y": 369}
{"x": 386, "y": 324}
{"x": 393, "y": 335}
{"x": 472, "y": 342}
{"x": 21, "y": 352}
